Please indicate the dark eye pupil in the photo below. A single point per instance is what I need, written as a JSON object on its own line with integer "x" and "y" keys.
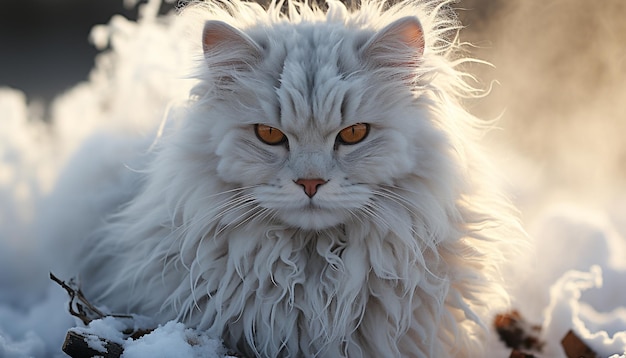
{"x": 269, "y": 135}
{"x": 353, "y": 134}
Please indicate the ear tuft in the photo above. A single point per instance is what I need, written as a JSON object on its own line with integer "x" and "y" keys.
{"x": 400, "y": 43}
{"x": 224, "y": 45}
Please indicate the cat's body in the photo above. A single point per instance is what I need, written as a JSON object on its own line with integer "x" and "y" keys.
{"x": 304, "y": 240}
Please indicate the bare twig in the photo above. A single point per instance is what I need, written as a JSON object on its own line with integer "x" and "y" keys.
{"x": 79, "y": 306}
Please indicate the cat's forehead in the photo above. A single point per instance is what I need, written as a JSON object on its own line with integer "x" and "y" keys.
{"x": 312, "y": 42}
{"x": 313, "y": 65}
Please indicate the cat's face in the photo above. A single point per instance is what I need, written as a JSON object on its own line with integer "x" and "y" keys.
{"x": 312, "y": 136}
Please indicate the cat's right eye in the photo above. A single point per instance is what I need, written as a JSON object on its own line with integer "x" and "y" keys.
{"x": 353, "y": 134}
{"x": 269, "y": 135}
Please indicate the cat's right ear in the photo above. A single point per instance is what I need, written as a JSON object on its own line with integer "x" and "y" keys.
{"x": 226, "y": 46}
{"x": 399, "y": 45}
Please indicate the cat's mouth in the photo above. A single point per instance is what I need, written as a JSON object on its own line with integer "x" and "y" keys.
{"x": 312, "y": 216}
{"x": 313, "y": 206}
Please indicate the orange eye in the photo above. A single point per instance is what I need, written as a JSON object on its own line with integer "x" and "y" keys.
{"x": 269, "y": 135}
{"x": 353, "y": 134}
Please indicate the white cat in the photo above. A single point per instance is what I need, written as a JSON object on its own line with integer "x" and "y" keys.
{"x": 324, "y": 195}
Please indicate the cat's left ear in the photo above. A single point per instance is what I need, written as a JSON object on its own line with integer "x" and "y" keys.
{"x": 399, "y": 44}
{"x": 226, "y": 46}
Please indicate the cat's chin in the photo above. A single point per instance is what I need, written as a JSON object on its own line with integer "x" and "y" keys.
{"x": 312, "y": 218}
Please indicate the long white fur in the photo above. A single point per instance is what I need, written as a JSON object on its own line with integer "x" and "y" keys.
{"x": 401, "y": 255}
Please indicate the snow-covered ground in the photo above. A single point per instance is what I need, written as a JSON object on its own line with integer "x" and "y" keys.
{"x": 575, "y": 276}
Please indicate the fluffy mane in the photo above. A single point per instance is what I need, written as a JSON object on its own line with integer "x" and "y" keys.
{"x": 413, "y": 269}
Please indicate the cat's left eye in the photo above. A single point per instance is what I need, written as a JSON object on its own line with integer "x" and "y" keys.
{"x": 353, "y": 134}
{"x": 269, "y": 135}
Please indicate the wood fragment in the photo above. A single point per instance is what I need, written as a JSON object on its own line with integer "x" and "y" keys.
{"x": 138, "y": 333}
{"x": 519, "y": 354}
{"x": 76, "y": 346}
{"x": 574, "y": 347}
{"x": 517, "y": 333}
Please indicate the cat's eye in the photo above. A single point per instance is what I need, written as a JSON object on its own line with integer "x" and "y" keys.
{"x": 353, "y": 134}
{"x": 269, "y": 135}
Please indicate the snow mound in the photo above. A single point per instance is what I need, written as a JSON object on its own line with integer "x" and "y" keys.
{"x": 601, "y": 331}
{"x": 172, "y": 339}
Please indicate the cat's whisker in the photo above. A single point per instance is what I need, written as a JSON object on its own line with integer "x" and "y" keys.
{"x": 235, "y": 193}
{"x": 233, "y": 190}
{"x": 376, "y": 206}
{"x": 392, "y": 191}
{"x": 355, "y": 214}
{"x": 250, "y": 217}
{"x": 409, "y": 206}
{"x": 372, "y": 214}
{"x": 220, "y": 205}
{"x": 214, "y": 204}
{"x": 238, "y": 220}
{"x": 264, "y": 214}
{"x": 238, "y": 205}
{"x": 229, "y": 206}
{"x": 225, "y": 206}
{"x": 273, "y": 216}
{"x": 391, "y": 188}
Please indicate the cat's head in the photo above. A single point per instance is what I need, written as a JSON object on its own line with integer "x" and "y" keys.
{"x": 322, "y": 124}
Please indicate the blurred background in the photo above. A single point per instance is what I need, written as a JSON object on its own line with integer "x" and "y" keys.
{"x": 44, "y": 44}
{"x": 559, "y": 81}
{"x": 561, "y": 72}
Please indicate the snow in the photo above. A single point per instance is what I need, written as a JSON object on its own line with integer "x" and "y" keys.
{"x": 583, "y": 265}
{"x": 576, "y": 272}
{"x": 170, "y": 340}
{"x": 174, "y": 340}
{"x": 567, "y": 311}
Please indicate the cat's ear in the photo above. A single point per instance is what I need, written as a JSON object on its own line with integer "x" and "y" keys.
{"x": 399, "y": 44}
{"x": 224, "y": 45}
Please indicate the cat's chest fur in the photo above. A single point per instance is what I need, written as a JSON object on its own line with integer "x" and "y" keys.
{"x": 330, "y": 289}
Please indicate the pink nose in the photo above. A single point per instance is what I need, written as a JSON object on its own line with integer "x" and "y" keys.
{"x": 310, "y": 185}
